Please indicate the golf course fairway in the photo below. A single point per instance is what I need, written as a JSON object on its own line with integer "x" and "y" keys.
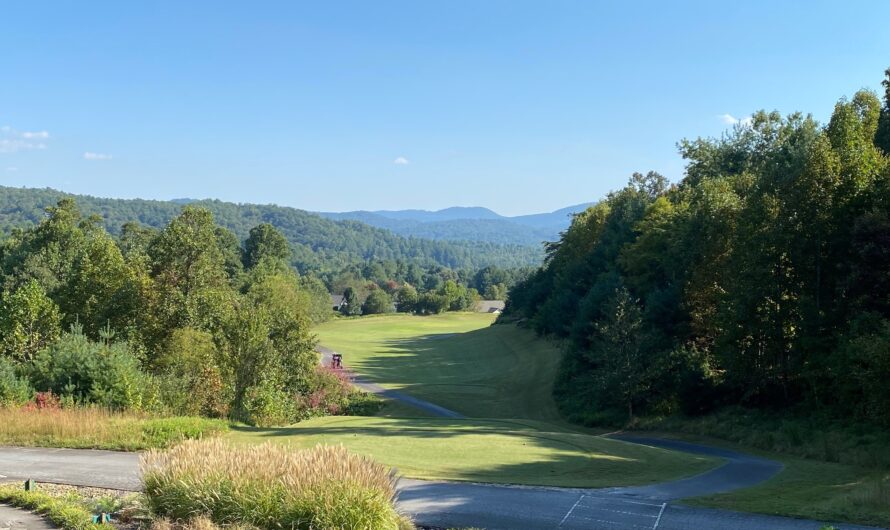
{"x": 501, "y": 378}
{"x": 500, "y": 451}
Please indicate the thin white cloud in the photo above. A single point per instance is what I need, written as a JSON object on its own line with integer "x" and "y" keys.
{"x": 729, "y": 119}
{"x": 401, "y": 161}
{"x": 13, "y": 141}
{"x": 96, "y": 156}
{"x": 12, "y": 169}
{"x": 35, "y": 135}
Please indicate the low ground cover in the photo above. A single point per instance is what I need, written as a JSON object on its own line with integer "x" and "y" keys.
{"x": 503, "y": 451}
{"x": 68, "y": 510}
{"x": 269, "y": 486}
{"x": 94, "y": 428}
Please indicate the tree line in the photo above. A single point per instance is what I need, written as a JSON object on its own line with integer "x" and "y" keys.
{"x": 761, "y": 279}
{"x": 319, "y": 245}
{"x": 385, "y": 287}
{"x": 184, "y": 319}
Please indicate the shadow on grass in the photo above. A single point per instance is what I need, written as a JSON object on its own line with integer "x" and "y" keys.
{"x": 476, "y": 373}
{"x": 531, "y": 457}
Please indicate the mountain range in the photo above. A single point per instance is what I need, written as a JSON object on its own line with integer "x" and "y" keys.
{"x": 474, "y": 223}
{"x": 318, "y": 244}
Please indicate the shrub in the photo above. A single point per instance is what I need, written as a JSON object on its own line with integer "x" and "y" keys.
{"x": 14, "y": 390}
{"x": 76, "y": 368}
{"x": 191, "y": 382}
{"x": 270, "y": 487}
{"x": 378, "y": 302}
{"x": 266, "y": 406}
{"x": 330, "y": 392}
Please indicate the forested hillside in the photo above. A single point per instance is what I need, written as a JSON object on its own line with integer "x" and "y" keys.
{"x": 761, "y": 280}
{"x": 468, "y": 224}
{"x": 318, "y": 244}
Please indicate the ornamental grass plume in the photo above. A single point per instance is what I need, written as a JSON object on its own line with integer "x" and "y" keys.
{"x": 270, "y": 486}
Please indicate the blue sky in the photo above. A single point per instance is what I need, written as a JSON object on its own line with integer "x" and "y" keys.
{"x": 519, "y": 106}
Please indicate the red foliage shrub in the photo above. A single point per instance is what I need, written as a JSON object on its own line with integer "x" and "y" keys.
{"x": 44, "y": 401}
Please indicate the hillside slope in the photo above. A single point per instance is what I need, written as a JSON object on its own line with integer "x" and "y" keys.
{"x": 318, "y": 243}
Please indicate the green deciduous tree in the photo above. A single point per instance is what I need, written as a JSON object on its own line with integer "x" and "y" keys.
{"x": 29, "y": 321}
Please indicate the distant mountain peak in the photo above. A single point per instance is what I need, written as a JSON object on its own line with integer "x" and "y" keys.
{"x": 475, "y": 223}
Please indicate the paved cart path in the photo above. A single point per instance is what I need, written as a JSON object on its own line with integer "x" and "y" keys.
{"x": 449, "y": 504}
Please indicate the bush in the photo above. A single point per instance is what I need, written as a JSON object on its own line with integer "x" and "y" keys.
{"x": 267, "y": 406}
{"x": 378, "y": 302}
{"x": 330, "y": 392}
{"x": 270, "y": 487}
{"x": 13, "y": 389}
{"x": 83, "y": 371}
{"x": 191, "y": 381}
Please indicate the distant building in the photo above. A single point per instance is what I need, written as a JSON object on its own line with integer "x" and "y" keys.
{"x": 338, "y": 301}
{"x": 490, "y": 306}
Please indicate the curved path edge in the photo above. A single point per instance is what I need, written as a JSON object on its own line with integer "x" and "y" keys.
{"x": 374, "y": 388}
{"x": 440, "y": 504}
{"x": 12, "y": 518}
{"x": 739, "y": 471}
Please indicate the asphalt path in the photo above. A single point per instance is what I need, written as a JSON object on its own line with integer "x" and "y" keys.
{"x": 457, "y": 504}
{"x": 15, "y": 519}
{"x": 374, "y": 388}
{"x": 453, "y": 504}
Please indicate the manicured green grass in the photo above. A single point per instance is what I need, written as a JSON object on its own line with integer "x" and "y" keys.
{"x": 501, "y": 377}
{"x": 809, "y": 489}
{"x": 456, "y": 360}
{"x": 502, "y": 451}
{"x": 815, "y": 490}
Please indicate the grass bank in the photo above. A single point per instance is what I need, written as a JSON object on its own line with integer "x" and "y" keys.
{"x": 501, "y": 451}
{"x": 814, "y": 490}
{"x": 66, "y": 512}
{"x": 93, "y": 428}
{"x": 833, "y": 471}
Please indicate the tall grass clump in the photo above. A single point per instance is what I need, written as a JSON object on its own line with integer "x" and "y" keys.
{"x": 270, "y": 487}
{"x": 97, "y": 428}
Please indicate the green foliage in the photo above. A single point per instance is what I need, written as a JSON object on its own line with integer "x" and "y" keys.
{"x": 377, "y": 302}
{"x": 67, "y": 513}
{"x": 29, "y": 320}
{"x": 760, "y": 279}
{"x": 406, "y": 299}
{"x": 317, "y": 244}
{"x": 84, "y": 371}
{"x": 266, "y": 405}
{"x": 351, "y": 305}
{"x": 431, "y": 304}
{"x": 193, "y": 381}
{"x": 14, "y": 390}
{"x": 265, "y": 243}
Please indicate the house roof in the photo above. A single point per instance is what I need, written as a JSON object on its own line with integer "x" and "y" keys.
{"x": 337, "y": 300}
{"x": 490, "y": 306}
